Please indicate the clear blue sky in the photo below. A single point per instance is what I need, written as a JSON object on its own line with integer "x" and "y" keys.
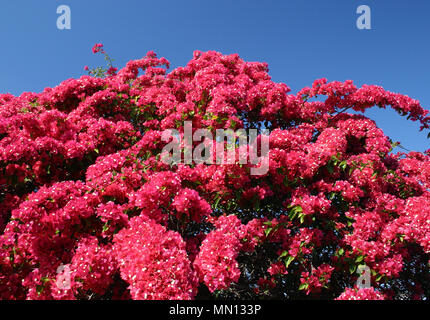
{"x": 302, "y": 40}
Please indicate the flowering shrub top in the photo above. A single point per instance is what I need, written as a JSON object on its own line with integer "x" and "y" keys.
{"x": 88, "y": 210}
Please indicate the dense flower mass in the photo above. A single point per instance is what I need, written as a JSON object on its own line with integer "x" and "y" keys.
{"x": 154, "y": 261}
{"x": 360, "y": 294}
{"x": 89, "y": 211}
{"x": 216, "y": 262}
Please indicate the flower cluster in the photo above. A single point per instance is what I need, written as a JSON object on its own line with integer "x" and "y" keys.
{"x": 216, "y": 262}
{"x": 154, "y": 262}
{"x": 361, "y": 294}
{"x": 317, "y": 279}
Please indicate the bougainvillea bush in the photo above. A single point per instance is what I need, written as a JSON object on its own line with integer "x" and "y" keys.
{"x": 88, "y": 210}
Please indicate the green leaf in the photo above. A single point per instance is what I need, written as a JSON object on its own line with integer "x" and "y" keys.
{"x": 359, "y": 259}
{"x": 298, "y": 209}
{"x": 267, "y": 231}
{"x": 302, "y": 217}
{"x": 343, "y": 164}
{"x": 288, "y": 261}
{"x": 283, "y": 254}
{"x": 39, "y": 289}
{"x": 295, "y": 211}
{"x": 45, "y": 280}
{"x": 218, "y": 199}
{"x": 304, "y": 286}
{"x": 334, "y": 159}
{"x": 106, "y": 226}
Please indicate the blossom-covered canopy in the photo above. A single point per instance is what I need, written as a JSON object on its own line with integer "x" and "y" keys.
{"x": 83, "y": 187}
